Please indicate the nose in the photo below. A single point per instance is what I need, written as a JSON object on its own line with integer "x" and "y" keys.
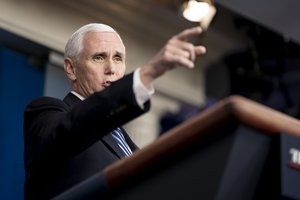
{"x": 109, "y": 68}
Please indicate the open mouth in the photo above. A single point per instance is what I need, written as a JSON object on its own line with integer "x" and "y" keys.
{"x": 106, "y": 84}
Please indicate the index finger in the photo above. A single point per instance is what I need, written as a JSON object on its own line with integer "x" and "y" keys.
{"x": 188, "y": 33}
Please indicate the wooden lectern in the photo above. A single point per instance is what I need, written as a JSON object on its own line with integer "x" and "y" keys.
{"x": 237, "y": 149}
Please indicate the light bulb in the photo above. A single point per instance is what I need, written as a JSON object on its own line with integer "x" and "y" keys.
{"x": 195, "y": 11}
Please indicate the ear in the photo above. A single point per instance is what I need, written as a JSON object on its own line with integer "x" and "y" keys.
{"x": 69, "y": 69}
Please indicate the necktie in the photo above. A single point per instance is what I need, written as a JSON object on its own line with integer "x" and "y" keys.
{"x": 120, "y": 139}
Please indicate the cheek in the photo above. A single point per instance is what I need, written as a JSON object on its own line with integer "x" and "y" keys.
{"x": 120, "y": 72}
{"x": 87, "y": 74}
{"x": 81, "y": 74}
{"x": 96, "y": 72}
{"x": 91, "y": 76}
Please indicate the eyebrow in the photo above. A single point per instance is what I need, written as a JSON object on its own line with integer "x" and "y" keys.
{"x": 118, "y": 53}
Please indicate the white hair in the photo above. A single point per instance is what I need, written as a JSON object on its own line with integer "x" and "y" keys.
{"x": 75, "y": 45}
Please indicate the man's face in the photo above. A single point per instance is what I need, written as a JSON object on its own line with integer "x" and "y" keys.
{"x": 101, "y": 61}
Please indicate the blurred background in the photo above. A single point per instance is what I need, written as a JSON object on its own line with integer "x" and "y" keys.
{"x": 253, "y": 50}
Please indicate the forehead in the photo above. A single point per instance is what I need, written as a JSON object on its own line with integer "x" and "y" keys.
{"x": 103, "y": 41}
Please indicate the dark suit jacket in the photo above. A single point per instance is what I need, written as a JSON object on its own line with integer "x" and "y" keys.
{"x": 68, "y": 141}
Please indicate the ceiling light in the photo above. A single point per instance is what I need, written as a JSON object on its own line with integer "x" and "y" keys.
{"x": 199, "y": 11}
{"x": 195, "y": 11}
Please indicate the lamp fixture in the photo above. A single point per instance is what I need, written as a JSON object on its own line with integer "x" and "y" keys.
{"x": 199, "y": 11}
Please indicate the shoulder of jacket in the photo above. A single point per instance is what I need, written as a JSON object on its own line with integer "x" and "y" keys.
{"x": 46, "y": 103}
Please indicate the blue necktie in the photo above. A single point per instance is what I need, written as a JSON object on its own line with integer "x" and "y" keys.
{"x": 120, "y": 139}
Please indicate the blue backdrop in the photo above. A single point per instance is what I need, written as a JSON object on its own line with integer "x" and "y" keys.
{"x": 20, "y": 82}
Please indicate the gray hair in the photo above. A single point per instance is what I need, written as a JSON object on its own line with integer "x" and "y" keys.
{"x": 75, "y": 45}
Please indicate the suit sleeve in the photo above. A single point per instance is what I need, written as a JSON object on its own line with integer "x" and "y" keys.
{"x": 54, "y": 130}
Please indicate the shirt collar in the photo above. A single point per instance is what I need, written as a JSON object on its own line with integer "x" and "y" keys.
{"x": 78, "y": 95}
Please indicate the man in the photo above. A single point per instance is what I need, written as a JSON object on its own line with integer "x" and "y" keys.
{"x": 68, "y": 141}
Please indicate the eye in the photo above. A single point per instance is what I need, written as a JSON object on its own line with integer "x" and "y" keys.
{"x": 98, "y": 58}
{"x": 118, "y": 59}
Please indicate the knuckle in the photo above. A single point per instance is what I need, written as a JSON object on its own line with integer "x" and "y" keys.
{"x": 166, "y": 55}
{"x": 190, "y": 46}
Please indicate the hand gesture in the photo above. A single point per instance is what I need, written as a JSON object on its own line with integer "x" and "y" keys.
{"x": 177, "y": 52}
